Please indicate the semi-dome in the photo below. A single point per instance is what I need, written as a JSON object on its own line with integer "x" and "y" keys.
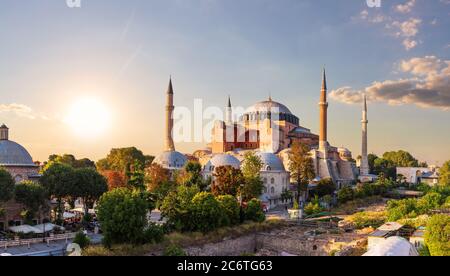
{"x": 171, "y": 160}
{"x": 222, "y": 160}
{"x": 270, "y": 161}
{"x": 13, "y": 154}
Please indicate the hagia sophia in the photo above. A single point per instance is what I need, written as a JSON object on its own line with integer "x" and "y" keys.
{"x": 269, "y": 129}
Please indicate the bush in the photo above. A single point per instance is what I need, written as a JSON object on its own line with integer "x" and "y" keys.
{"x": 174, "y": 251}
{"x": 430, "y": 201}
{"x": 206, "y": 214}
{"x": 254, "y": 211}
{"x": 82, "y": 240}
{"x": 437, "y": 235}
{"x": 153, "y": 234}
{"x": 345, "y": 194}
{"x": 363, "y": 220}
{"x": 122, "y": 214}
{"x": 313, "y": 208}
{"x": 176, "y": 207}
{"x": 231, "y": 210}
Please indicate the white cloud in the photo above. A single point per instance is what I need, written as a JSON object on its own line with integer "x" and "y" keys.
{"x": 21, "y": 111}
{"x": 407, "y": 7}
{"x": 427, "y": 86}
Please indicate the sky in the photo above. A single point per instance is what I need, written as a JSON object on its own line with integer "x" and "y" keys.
{"x": 86, "y": 79}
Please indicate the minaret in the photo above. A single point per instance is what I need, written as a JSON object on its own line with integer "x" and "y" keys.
{"x": 169, "y": 145}
{"x": 229, "y": 112}
{"x": 323, "y": 105}
{"x": 364, "y": 169}
{"x": 4, "y": 132}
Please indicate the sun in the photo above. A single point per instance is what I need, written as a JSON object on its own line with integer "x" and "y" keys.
{"x": 88, "y": 117}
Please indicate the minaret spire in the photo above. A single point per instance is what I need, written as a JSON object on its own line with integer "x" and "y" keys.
{"x": 229, "y": 112}
{"x": 364, "y": 169}
{"x": 169, "y": 144}
{"x": 323, "y": 105}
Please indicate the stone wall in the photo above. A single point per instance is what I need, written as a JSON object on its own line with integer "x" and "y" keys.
{"x": 231, "y": 247}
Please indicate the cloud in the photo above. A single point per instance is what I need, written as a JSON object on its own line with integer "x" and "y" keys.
{"x": 407, "y": 30}
{"x": 407, "y": 7}
{"x": 21, "y": 111}
{"x": 427, "y": 86}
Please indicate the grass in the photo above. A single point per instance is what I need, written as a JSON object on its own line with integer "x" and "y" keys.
{"x": 351, "y": 207}
{"x": 187, "y": 239}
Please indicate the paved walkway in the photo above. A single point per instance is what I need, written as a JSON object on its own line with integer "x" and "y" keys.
{"x": 55, "y": 248}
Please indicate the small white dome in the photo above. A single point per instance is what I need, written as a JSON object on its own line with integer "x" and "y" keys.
{"x": 171, "y": 160}
{"x": 222, "y": 160}
{"x": 270, "y": 161}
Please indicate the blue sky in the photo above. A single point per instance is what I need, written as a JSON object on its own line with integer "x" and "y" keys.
{"x": 122, "y": 52}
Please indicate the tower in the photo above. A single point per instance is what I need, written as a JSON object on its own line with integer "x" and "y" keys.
{"x": 323, "y": 105}
{"x": 4, "y": 132}
{"x": 229, "y": 112}
{"x": 168, "y": 142}
{"x": 364, "y": 169}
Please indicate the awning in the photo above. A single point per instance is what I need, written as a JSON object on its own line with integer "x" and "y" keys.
{"x": 26, "y": 229}
{"x": 68, "y": 215}
{"x": 48, "y": 227}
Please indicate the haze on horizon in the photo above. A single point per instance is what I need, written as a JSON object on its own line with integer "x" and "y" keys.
{"x": 85, "y": 80}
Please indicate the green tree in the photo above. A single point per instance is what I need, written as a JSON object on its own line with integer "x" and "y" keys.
{"x": 345, "y": 194}
{"x": 444, "y": 174}
{"x": 401, "y": 158}
{"x": 89, "y": 185}
{"x": 324, "y": 187}
{"x": 58, "y": 180}
{"x": 123, "y": 216}
{"x": 437, "y": 235}
{"x": 136, "y": 176}
{"x": 176, "y": 207}
{"x": 33, "y": 196}
{"x": 6, "y": 186}
{"x": 301, "y": 167}
{"x": 227, "y": 181}
{"x": 70, "y": 160}
{"x": 254, "y": 211}
{"x": 371, "y": 158}
{"x": 192, "y": 175}
{"x": 206, "y": 213}
{"x": 251, "y": 170}
{"x": 230, "y": 208}
{"x": 82, "y": 240}
{"x": 120, "y": 159}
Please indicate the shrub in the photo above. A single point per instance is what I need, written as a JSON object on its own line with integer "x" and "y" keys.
{"x": 154, "y": 233}
{"x": 254, "y": 211}
{"x": 345, "y": 194}
{"x": 363, "y": 220}
{"x": 437, "y": 235}
{"x": 206, "y": 214}
{"x": 176, "y": 207}
{"x": 230, "y": 209}
{"x": 430, "y": 201}
{"x": 82, "y": 240}
{"x": 174, "y": 251}
{"x": 123, "y": 216}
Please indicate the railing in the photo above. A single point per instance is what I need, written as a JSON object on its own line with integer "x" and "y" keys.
{"x": 29, "y": 242}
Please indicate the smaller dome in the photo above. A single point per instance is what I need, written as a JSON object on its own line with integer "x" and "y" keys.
{"x": 270, "y": 161}
{"x": 171, "y": 160}
{"x": 222, "y": 160}
{"x": 13, "y": 154}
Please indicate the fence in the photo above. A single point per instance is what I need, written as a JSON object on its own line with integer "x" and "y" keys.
{"x": 29, "y": 242}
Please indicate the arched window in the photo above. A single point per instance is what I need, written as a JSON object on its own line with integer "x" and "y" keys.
{"x": 272, "y": 190}
{"x": 265, "y": 190}
{"x": 268, "y": 168}
{"x": 272, "y": 181}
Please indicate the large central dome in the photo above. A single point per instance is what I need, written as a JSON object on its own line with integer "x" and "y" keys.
{"x": 268, "y": 106}
{"x": 13, "y": 154}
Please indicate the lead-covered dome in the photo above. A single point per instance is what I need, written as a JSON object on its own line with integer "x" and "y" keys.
{"x": 13, "y": 154}
{"x": 171, "y": 160}
{"x": 268, "y": 106}
{"x": 270, "y": 161}
{"x": 222, "y": 160}
{"x": 269, "y": 110}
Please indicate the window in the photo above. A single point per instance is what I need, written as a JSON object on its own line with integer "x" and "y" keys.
{"x": 265, "y": 190}
{"x": 315, "y": 247}
{"x": 272, "y": 181}
{"x": 2, "y": 226}
{"x": 272, "y": 190}
{"x": 268, "y": 168}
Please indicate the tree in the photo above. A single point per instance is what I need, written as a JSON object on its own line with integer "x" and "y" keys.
{"x": 230, "y": 209}
{"x": 123, "y": 216}
{"x": 205, "y": 213}
{"x": 58, "y": 180}
{"x": 176, "y": 207}
{"x": 192, "y": 175}
{"x": 6, "y": 186}
{"x": 136, "y": 176}
{"x": 324, "y": 187}
{"x": 254, "y": 211}
{"x": 444, "y": 174}
{"x": 33, "y": 196}
{"x": 227, "y": 181}
{"x": 155, "y": 176}
{"x": 89, "y": 185}
{"x": 371, "y": 158}
{"x": 70, "y": 160}
{"x": 345, "y": 194}
{"x": 301, "y": 167}
{"x": 401, "y": 158}
{"x": 120, "y": 159}
{"x": 115, "y": 179}
{"x": 251, "y": 170}
{"x": 437, "y": 235}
